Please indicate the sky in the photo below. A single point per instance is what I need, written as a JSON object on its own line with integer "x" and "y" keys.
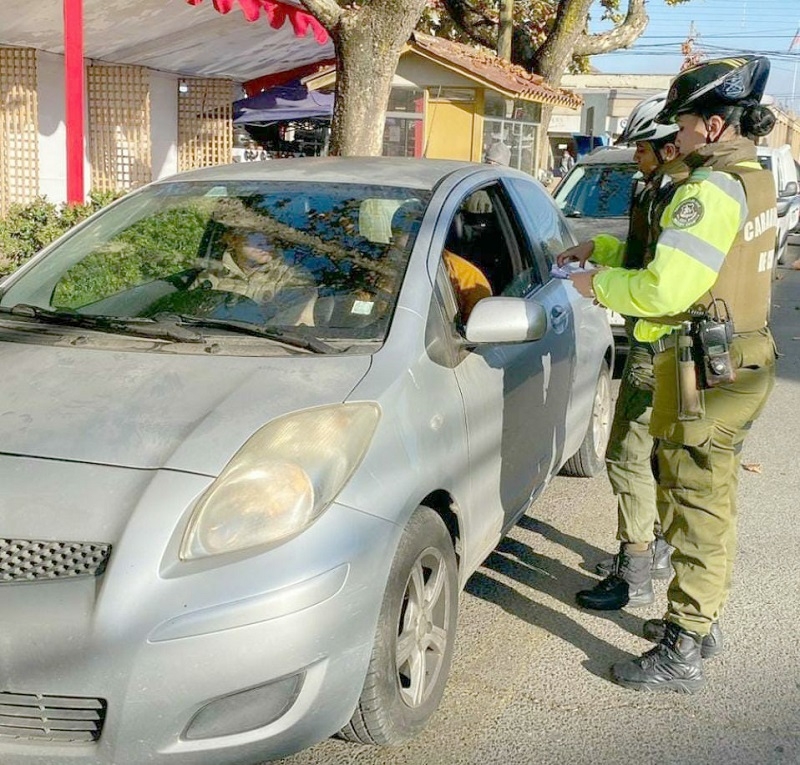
{"x": 721, "y": 27}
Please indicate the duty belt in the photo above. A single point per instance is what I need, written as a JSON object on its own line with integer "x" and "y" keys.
{"x": 668, "y": 341}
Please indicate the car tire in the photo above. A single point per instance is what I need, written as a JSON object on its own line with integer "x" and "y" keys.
{"x": 414, "y": 639}
{"x": 589, "y": 460}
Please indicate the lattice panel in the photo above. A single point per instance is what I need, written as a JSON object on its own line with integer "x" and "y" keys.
{"x": 19, "y": 135}
{"x": 205, "y": 126}
{"x": 119, "y": 126}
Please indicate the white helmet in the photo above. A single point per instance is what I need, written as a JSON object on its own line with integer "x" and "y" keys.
{"x": 642, "y": 126}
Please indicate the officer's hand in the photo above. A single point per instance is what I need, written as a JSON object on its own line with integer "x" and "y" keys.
{"x": 582, "y": 281}
{"x": 580, "y": 253}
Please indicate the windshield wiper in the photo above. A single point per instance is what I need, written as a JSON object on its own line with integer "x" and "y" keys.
{"x": 140, "y": 327}
{"x": 292, "y": 339}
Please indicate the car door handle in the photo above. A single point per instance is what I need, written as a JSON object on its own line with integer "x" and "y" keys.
{"x": 559, "y": 316}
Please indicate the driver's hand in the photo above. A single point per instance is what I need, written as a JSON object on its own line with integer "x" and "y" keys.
{"x": 580, "y": 253}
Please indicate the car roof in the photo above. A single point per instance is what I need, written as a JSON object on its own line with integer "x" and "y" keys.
{"x": 389, "y": 171}
{"x": 608, "y": 155}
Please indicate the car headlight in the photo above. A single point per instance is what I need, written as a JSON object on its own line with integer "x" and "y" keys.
{"x": 281, "y": 480}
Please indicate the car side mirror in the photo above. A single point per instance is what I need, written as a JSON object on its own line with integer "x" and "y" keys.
{"x": 506, "y": 320}
{"x": 790, "y": 190}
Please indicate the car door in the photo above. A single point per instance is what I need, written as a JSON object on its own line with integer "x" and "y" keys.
{"x": 515, "y": 395}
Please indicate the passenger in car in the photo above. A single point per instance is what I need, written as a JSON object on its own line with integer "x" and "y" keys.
{"x": 469, "y": 282}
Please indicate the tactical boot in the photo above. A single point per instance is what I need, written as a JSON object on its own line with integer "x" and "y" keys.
{"x": 675, "y": 664}
{"x": 710, "y": 646}
{"x": 662, "y": 561}
{"x": 630, "y": 584}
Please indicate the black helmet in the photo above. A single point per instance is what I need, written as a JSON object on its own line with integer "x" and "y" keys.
{"x": 736, "y": 81}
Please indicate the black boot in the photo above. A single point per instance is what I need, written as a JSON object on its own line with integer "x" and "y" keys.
{"x": 710, "y": 646}
{"x": 674, "y": 664}
{"x": 662, "y": 561}
{"x": 630, "y": 584}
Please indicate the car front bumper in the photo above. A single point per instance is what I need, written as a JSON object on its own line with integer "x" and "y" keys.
{"x": 223, "y": 661}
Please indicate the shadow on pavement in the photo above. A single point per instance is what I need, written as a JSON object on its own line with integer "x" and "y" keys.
{"x": 518, "y": 561}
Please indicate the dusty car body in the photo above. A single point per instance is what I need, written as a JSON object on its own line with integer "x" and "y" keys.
{"x": 229, "y": 531}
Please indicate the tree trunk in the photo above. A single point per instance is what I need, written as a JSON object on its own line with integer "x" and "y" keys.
{"x": 368, "y": 42}
{"x": 569, "y": 39}
{"x": 505, "y": 29}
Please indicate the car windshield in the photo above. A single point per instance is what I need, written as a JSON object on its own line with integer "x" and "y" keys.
{"x": 326, "y": 259}
{"x": 597, "y": 191}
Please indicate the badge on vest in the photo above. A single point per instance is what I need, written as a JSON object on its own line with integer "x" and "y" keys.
{"x": 688, "y": 213}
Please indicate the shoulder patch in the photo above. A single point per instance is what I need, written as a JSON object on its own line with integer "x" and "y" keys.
{"x": 688, "y": 213}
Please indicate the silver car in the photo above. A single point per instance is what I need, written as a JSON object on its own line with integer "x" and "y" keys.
{"x": 258, "y": 425}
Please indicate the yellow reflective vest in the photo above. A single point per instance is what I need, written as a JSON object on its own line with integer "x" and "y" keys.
{"x": 708, "y": 213}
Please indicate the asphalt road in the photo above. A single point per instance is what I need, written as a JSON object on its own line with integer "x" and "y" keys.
{"x": 529, "y": 682}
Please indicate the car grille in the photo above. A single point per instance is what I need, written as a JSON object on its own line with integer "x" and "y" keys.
{"x": 63, "y": 719}
{"x": 23, "y": 560}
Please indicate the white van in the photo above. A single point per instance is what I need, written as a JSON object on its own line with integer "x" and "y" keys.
{"x": 780, "y": 162}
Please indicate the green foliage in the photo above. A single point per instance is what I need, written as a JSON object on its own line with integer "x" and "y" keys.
{"x": 152, "y": 248}
{"x": 30, "y": 227}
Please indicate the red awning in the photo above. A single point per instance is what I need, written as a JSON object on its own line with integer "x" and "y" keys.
{"x": 277, "y": 13}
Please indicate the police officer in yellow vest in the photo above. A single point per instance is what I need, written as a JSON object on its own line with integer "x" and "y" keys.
{"x": 703, "y": 302}
{"x": 643, "y": 553}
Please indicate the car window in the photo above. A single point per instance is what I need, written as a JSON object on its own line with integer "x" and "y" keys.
{"x": 328, "y": 257}
{"x": 484, "y": 253}
{"x": 597, "y": 191}
{"x": 546, "y": 230}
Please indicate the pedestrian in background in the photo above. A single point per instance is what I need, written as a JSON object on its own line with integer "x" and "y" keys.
{"x": 643, "y": 551}
{"x": 714, "y": 254}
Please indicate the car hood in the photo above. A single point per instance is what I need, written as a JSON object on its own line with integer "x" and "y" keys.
{"x": 586, "y": 228}
{"x": 151, "y": 410}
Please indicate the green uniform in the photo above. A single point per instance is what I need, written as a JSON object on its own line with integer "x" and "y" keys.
{"x": 718, "y": 235}
{"x": 630, "y": 446}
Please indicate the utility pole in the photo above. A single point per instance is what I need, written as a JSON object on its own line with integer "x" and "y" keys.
{"x": 691, "y": 57}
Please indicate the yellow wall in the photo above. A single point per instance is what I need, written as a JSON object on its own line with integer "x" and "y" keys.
{"x": 454, "y": 124}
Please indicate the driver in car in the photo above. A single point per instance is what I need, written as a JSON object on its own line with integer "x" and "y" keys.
{"x": 254, "y": 267}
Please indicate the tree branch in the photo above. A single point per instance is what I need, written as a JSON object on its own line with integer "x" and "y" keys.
{"x": 621, "y": 36}
{"x": 327, "y": 12}
{"x": 474, "y": 24}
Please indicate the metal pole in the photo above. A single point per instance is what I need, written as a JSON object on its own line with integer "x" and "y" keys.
{"x": 74, "y": 98}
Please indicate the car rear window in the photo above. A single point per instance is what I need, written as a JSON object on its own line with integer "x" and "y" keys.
{"x": 597, "y": 191}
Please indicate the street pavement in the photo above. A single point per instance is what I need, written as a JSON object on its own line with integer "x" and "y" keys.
{"x": 529, "y": 682}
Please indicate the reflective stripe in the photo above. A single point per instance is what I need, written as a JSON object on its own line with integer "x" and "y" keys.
{"x": 693, "y": 246}
{"x": 732, "y": 187}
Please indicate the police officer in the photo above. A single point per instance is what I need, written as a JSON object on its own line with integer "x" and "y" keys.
{"x": 643, "y": 552}
{"x": 715, "y": 252}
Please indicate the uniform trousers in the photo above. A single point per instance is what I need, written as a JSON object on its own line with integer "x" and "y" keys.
{"x": 698, "y": 464}
{"x": 629, "y": 453}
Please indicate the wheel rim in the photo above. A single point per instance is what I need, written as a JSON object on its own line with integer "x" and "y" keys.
{"x": 422, "y": 629}
{"x": 601, "y": 416}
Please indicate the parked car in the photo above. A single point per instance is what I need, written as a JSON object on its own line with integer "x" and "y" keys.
{"x": 595, "y": 196}
{"x": 779, "y": 161}
{"x": 236, "y": 519}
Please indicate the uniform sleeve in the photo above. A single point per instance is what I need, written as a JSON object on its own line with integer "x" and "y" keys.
{"x": 608, "y": 251}
{"x": 699, "y": 227}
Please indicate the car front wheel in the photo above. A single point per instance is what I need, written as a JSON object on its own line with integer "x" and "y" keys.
{"x": 414, "y": 639}
{"x": 589, "y": 460}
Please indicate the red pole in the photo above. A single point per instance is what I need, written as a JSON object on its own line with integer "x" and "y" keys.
{"x": 74, "y": 90}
